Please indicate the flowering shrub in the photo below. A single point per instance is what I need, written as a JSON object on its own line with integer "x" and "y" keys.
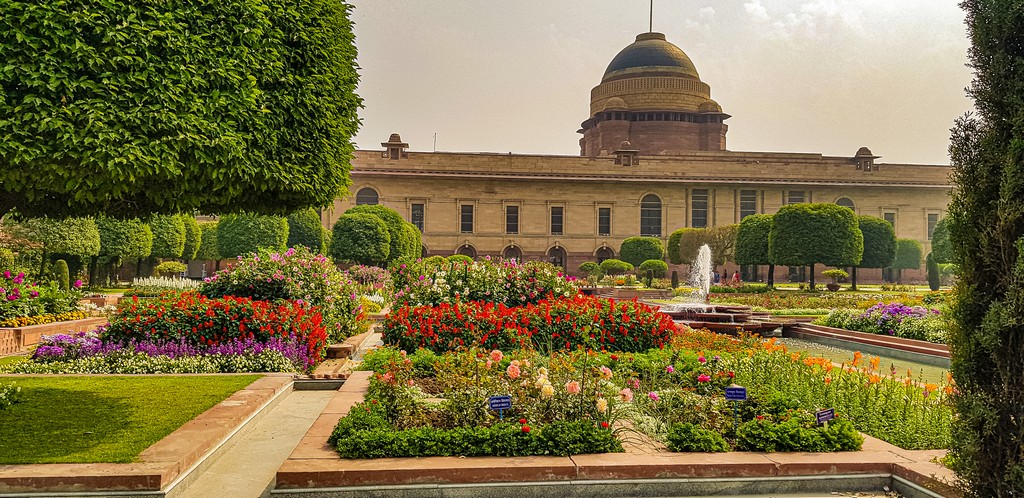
{"x": 127, "y": 361}
{"x": 911, "y": 322}
{"x": 197, "y": 320}
{"x": 154, "y": 286}
{"x": 295, "y": 275}
{"x": 19, "y": 298}
{"x": 508, "y": 282}
{"x": 781, "y": 300}
{"x": 370, "y": 277}
{"x": 555, "y": 323}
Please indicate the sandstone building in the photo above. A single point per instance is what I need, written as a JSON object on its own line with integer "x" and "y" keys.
{"x": 653, "y": 158}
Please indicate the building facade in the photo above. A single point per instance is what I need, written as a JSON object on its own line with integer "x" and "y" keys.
{"x": 652, "y": 160}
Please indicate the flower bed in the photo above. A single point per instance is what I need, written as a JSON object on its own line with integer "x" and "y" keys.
{"x": 295, "y": 275}
{"x": 28, "y": 321}
{"x": 436, "y": 281}
{"x": 554, "y": 323}
{"x": 196, "y": 320}
{"x": 673, "y": 395}
{"x": 154, "y": 286}
{"x": 782, "y": 300}
{"x": 32, "y": 303}
{"x": 894, "y": 319}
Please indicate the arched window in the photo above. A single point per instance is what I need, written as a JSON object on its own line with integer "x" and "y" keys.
{"x": 467, "y": 250}
{"x": 366, "y": 195}
{"x": 603, "y": 254}
{"x": 846, "y": 202}
{"x": 556, "y": 256}
{"x": 512, "y": 252}
{"x": 650, "y": 216}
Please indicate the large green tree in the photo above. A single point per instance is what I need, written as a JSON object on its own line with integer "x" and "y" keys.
{"x": 121, "y": 240}
{"x": 987, "y": 234}
{"x": 752, "y": 243}
{"x": 942, "y": 248}
{"x": 241, "y": 234}
{"x": 879, "y": 245}
{"x": 208, "y": 250}
{"x": 636, "y": 250}
{"x": 129, "y": 108}
{"x": 168, "y": 236}
{"x": 908, "y": 257}
{"x": 686, "y": 242}
{"x": 71, "y": 239}
{"x": 807, "y": 234}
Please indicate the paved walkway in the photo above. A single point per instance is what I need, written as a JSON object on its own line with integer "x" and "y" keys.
{"x": 248, "y": 467}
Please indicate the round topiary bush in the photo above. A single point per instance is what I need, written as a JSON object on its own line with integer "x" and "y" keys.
{"x": 403, "y": 243}
{"x": 169, "y": 268}
{"x": 658, "y": 267}
{"x": 455, "y": 258}
{"x": 193, "y": 237}
{"x": 636, "y": 250}
{"x": 589, "y": 267}
{"x": 61, "y": 275}
{"x": 615, "y": 267}
{"x": 241, "y": 234}
{"x": 304, "y": 229}
{"x": 360, "y": 238}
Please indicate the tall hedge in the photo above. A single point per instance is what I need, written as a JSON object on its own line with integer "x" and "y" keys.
{"x": 124, "y": 239}
{"x": 404, "y": 243}
{"x": 130, "y": 108}
{"x": 360, "y": 238}
{"x": 241, "y": 234}
{"x": 636, "y": 250}
{"x": 75, "y": 236}
{"x": 752, "y": 243}
{"x": 879, "y": 244}
{"x": 987, "y": 236}
{"x": 193, "y": 237}
{"x": 305, "y": 229}
{"x": 168, "y": 236}
{"x": 208, "y": 249}
{"x": 934, "y": 276}
{"x": 811, "y": 233}
{"x": 908, "y": 256}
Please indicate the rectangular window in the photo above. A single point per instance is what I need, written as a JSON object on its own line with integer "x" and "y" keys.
{"x": 795, "y": 197}
{"x": 511, "y": 219}
{"x": 699, "y": 208}
{"x": 604, "y": 221}
{"x": 933, "y": 219}
{"x": 748, "y": 203}
{"x": 466, "y": 218}
{"x": 416, "y": 216}
{"x": 557, "y": 215}
{"x": 891, "y": 218}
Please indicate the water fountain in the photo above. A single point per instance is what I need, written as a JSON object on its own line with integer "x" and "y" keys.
{"x": 697, "y": 311}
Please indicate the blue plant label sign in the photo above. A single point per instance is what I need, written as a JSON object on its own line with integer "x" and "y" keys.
{"x": 736, "y": 393}
{"x": 499, "y": 402}
{"x": 825, "y": 415}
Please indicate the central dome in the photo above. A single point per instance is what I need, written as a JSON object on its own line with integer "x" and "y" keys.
{"x": 649, "y": 54}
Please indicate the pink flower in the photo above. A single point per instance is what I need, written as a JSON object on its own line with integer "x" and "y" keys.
{"x": 634, "y": 383}
{"x": 626, "y": 395}
{"x": 654, "y": 396}
{"x": 606, "y": 373}
{"x": 78, "y": 284}
{"x": 702, "y": 359}
{"x": 572, "y": 387}
{"x": 703, "y": 378}
{"x": 512, "y": 371}
{"x": 670, "y": 369}
{"x": 496, "y": 356}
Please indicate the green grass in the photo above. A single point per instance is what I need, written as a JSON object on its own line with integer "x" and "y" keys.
{"x": 103, "y": 419}
{"x": 9, "y": 360}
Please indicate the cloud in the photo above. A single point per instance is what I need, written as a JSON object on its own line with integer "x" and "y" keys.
{"x": 808, "y": 19}
{"x": 756, "y": 10}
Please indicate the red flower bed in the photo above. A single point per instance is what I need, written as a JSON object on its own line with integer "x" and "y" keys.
{"x": 207, "y": 321}
{"x": 556, "y": 323}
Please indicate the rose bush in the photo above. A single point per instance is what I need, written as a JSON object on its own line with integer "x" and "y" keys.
{"x": 436, "y": 281}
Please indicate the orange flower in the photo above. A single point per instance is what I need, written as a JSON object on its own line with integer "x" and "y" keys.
{"x": 874, "y": 362}
{"x": 828, "y": 380}
{"x": 793, "y": 357}
{"x": 857, "y": 355}
{"x": 930, "y": 387}
{"x": 874, "y": 379}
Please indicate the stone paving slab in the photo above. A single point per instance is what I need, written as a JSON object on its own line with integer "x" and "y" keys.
{"x": 313, "y": 464}
{"x": 160, "y": 464}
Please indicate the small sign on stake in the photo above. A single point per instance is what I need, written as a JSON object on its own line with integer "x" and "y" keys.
{"x": 824, "y": 416}
{"x": 736, "y": 393}
{"x": 500, "y": 403}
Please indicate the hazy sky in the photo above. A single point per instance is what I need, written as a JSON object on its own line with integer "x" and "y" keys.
{"x": 822, "y": 76}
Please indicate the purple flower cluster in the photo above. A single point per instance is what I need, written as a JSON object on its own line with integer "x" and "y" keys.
{"x": 62, "y": 347}
{"x": 888, "y": 316}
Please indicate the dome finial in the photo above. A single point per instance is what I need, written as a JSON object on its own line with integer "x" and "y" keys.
{"x": 650, "y": 25}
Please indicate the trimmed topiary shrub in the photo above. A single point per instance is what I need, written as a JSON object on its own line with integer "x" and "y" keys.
{"x": 403, "y": 243}
{"x": 61, "y": 275}
{"x": 459, "y": 258}
{"x": 241, "y": 234}
{"x": 752, "y": 243}
{"x": 934, "y": 277}
{"x": 360, "y": 238}
{"x": 168, "y": 236}
{"x": 657, "y": 267}
{"x": 193, "y": 237}
{"x": 615, "y": 267}
{"x": 807, "y": 234}
{"x": 589, "y": 267}
{"x": 170, "y": 268}
{"x": 691, "y": 438}
{"x": 304, "y": 229}
{"x": 908, "y": 256}
{"x": 636, "y": 250}
{"x": 208, "y": 250}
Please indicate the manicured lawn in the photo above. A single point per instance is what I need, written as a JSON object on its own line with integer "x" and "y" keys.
{"x": 103, "y": 419}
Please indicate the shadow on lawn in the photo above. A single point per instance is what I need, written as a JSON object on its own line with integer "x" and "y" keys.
{"x": 63, "y": 425}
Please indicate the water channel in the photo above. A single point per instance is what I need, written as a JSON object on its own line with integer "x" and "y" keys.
{"x": 922, "y": 372}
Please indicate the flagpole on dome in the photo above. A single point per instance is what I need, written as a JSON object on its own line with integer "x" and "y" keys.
{"x": 650, "y": 25}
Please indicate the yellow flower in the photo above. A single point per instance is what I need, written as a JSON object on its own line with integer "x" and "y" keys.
{"x": 547, "y": 390}
{"x": 602, "y": 405}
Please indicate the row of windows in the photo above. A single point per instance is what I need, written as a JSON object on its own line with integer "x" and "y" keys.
{"x": 650, "y": 212}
